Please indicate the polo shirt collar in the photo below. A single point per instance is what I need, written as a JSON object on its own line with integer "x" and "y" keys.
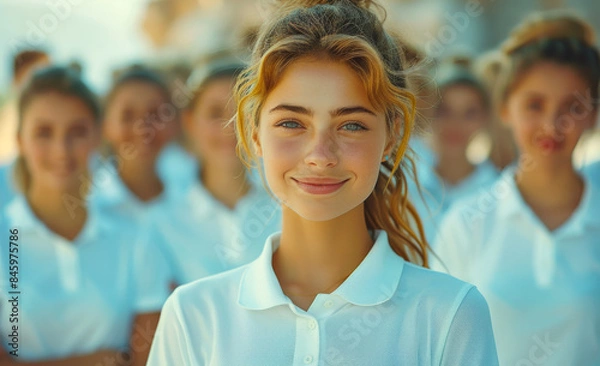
{"x": 19, "y": 214}
{"x": 512, "y": 204}
{"x": 373, "y": 282}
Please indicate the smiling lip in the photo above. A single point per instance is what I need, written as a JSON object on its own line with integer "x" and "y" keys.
{"x": 549, "y": 144}
{"x": 320, "y": 185}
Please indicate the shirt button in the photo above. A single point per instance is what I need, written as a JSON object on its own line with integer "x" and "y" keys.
{"x": 308, "y": 359}
{"x": 328, "y": 304}
{"x": 312, "y": 324}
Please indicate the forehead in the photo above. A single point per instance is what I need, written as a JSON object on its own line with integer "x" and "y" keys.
{"x": 552, "y": 81}
{"x": 57, "y": 107}
{"x": 320, "y": 85}
{"x": 132, "y": 92}
{"x": 461, "y": 93}
{"x": 217, "y": 89}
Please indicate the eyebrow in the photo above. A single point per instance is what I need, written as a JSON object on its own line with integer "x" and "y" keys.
{"x": 335, "y": 113}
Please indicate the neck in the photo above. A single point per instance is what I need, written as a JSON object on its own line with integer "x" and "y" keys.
{"x": 141, "y": 179}
{"x": 63, "y": 212}
{"x": 228, "y": 184}
{"x": 454, "y": 169}
{"x": 553, "y": 190}
{"x": 316, "y": 257}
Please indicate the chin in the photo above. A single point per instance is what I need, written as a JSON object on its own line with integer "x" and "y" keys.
{"x": 319, "y": 212}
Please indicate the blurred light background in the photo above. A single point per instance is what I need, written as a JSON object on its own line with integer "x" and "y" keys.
{"x": 105, "y": 34}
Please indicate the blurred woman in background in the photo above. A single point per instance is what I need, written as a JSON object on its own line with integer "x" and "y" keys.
{"x": 139, "y": 121}
{"x": 224, "y": 218}
{"x": 76, "y": 303}
{"x": 530, "y": 242}
{"x": 462, "y": 111}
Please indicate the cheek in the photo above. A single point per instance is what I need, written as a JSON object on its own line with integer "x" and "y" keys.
{"x": 84, "y": 148}
{"x": 473, "y": 127}
{"x": 35, "y": 153}
{"x": 363, "y": 158}
{"x": 165, "y": 132}
{"x": 116, "y": 132}
{"x": 572, "y": 128}
{"x": 207, "y": 134}
{"x": 281, "y": 154}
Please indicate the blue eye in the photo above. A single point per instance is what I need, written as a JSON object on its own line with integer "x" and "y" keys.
{"x": 289, "y": 124}
{"x": 354, "y": 127}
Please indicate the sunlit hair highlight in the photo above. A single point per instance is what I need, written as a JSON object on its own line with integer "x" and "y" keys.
{"x": 350, "y": 33}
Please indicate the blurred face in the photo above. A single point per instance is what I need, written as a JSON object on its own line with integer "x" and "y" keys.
{"x": 321, "y": 140}
{"x": 460, "y": 115}
{"x": 57, "y": 137}
{"x": 548, "y": 114}
{"x": 139, "y": 122}
{"x": 207, "y": 125}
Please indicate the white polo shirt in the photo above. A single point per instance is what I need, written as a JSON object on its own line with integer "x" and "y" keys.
{"x": 176, "y": 167}
{"x": 592, "y": 171}
{"x": 75, "y": 297}
{"x": 202, "y": 237}
{"x": 109, "y": 193}
{"x": 388, "y": 312}
{"x": 436, "y": 196}
{"x": 543, "y": 287}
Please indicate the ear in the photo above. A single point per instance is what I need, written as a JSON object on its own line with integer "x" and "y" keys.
{"x": 256, "y": 142}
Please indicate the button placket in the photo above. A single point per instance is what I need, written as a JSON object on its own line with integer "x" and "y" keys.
{"x": 307, "y": 341}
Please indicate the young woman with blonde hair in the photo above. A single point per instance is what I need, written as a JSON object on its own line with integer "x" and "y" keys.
{"x": 324, "y": 108}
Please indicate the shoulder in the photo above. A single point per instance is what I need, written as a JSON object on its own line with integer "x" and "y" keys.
{"x": 592, "y": 171}
{"x": 432, "y": 286}
{"x": 481, "y": 205}
{"x": 213, "y": 292}
{"x": 441, "y": 295}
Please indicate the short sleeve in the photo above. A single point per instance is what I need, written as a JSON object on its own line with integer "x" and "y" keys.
{"x": 151, "y": 271}
{"x": 170, "y": 345}
{"x": 470, "y": 339}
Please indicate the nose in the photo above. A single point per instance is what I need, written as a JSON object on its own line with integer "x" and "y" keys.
{"x": 322, "y": 152}
{"x": 552, "y": 124}
{"x": 63, "y": 147}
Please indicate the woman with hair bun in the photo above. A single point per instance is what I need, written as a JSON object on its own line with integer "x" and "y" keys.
{"x": 324, "y": 108}
{"x": 530, "y": 243}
